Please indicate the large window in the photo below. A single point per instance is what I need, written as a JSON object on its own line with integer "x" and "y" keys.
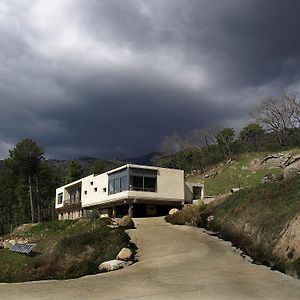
{"x": 133, "y": 179}
{"x": 149, "y": 184}
{"x": 143, "y": 180}
{"x": 143, "y": 183}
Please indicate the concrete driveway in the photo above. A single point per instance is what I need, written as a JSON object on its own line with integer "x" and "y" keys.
{"x": 176, "y": 262}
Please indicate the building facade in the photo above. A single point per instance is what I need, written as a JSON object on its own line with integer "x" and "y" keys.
{"x": 131, "y": 189}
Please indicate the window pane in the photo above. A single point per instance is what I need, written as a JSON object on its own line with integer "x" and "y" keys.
{"x": 117, "y": 185}
{"x": 137, "y": 183}
{"x": 149, "y": 184}
{"x": 110, "y": 187}
{"x": 123, "y": 183}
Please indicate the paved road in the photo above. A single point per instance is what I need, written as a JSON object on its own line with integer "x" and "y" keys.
{"x": 176, "y": 262}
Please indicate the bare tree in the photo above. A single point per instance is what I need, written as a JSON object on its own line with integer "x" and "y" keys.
{"x": 279, "y": 115}
{"x": 202, "y": 137}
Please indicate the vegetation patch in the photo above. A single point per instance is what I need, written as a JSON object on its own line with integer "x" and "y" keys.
{"x": 66, "y": 249}
{"x": 255, "y": 219}
{"x": 188, "y": 215}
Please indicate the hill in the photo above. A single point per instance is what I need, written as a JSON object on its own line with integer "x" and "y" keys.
{"x": 245, "y": 170}
{"x": 262, "y": 219}
{"x": 146, "y": 159}
{"x": 62, "y": 166}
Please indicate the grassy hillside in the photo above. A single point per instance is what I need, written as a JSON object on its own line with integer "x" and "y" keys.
{"x": 263, "y": 221}
{"x": 66, "y": 249}
{"x": 239, "y": 173}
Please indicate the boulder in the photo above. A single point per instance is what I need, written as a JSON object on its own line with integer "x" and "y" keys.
{"x": 292, "y": 170}
{"x": 112, "y": 265}
{"x": 1, "y": 245}
{"x": 173, "y": 211}
{"x": 125, "y": 254}
{"x": 7, "y": 244}
{"x": 22, "y": 241}
{"x": 13, "y": 242}
{"x": 127, "y": 222}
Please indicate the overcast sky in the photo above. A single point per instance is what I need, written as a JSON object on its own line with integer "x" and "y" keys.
{"x": 110, "y": 78}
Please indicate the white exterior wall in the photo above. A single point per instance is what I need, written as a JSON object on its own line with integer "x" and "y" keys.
{"x": 170, "y": 187}
{"x": 100, "y": 182}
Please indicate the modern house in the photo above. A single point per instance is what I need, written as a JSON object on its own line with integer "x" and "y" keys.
{"x": 131, "y": 189}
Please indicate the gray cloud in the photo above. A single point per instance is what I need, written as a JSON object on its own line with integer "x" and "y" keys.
{"x": 111, "y": 78}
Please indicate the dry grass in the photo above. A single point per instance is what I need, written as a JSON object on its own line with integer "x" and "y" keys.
{"x": 188, "y": 215}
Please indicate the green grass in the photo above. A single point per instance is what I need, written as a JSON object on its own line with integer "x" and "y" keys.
{"x": 67, "y": 249}
{"x": 268, "y": 206}
{"x": 235, "y": 175}
{"x": 12, "y": 265}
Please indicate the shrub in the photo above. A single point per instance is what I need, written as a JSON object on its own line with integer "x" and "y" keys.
{"x": 189, "y": 215}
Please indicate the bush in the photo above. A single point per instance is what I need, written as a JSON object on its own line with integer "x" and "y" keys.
{"x": 67, "y": 249}
{"x": 189, "y": 215}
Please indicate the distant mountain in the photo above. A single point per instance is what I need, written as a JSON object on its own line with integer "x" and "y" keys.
{"x": 87, "y": 163}
{"x": 141, "y": 160}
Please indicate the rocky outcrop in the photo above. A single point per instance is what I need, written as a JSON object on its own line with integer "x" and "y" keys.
{"x": 287, "y": 161}
{"x": 292, "y": 170}
{"x": 278, "y": 160}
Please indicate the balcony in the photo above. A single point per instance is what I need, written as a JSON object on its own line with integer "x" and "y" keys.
{"x": 72, "y": 201}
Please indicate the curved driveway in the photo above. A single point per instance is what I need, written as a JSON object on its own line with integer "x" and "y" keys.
{"x": 176, "y": 262}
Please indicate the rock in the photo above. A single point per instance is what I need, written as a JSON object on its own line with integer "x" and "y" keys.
{"x": 125, "y": 254}
{"x": 7, "y": 244}
{"x": 292, "y": 170}
{"x": 13, "y": 242}
{"x": 127, "y": 222}
{"x": 229, "y": 161}
{"x": 22, "y": 241}
{"x": 173, "y": 211}
{"x": 210, "y": 218}
{"x": 1, "y": 245}
{"x": 112, "y": 265}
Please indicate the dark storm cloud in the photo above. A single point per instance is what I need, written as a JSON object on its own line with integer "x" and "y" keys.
{"x": 111, "y": 78}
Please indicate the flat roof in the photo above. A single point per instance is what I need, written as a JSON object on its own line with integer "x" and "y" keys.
{"x": 133, "y": 166}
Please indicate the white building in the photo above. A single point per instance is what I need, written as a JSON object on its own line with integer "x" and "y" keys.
{"x": 131, "y": 189}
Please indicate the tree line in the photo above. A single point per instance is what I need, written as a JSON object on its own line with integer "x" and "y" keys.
{"x": 274, "y": 126}
{"x": 28, "y": 183}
